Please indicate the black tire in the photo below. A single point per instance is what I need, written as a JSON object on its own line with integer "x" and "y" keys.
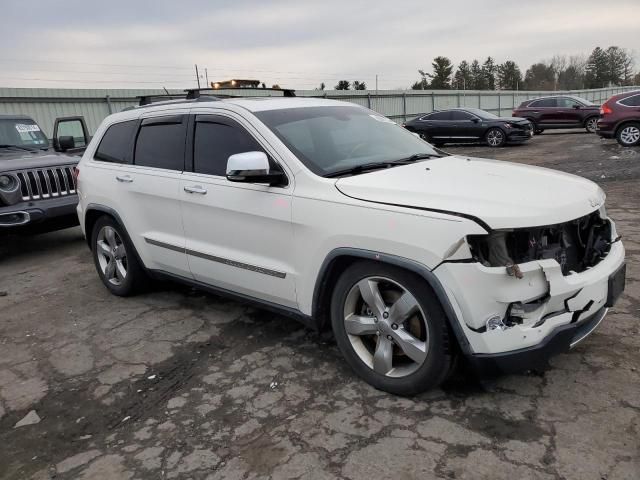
{"x": 626, "y": 132}
{"x": 135, "y": 278}
{"x": 536, "y": 129}
{"x": 495, "y": 138}
{"x": 434, "y": 369}
{"x": 590, "y": 124}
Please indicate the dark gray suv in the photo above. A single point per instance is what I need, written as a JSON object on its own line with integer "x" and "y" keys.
{"x": 37, "y": 181}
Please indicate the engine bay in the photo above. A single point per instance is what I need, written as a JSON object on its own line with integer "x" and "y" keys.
{"x": 576, "y": 245}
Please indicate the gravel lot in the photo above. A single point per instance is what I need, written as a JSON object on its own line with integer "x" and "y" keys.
{"x": 181, "y": 384}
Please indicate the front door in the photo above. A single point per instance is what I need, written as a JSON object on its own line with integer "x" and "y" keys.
{"x": 464, "y": 129}
{"x": 239, "y": 236}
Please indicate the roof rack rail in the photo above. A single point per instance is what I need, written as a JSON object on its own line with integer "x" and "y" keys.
{"x": 194, "y": 93}
{"x": 160, "y": 97}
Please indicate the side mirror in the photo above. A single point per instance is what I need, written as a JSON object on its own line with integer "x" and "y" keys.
{"x": 252, "y": 167}
{"x": 66, "y": 143}
{"x": 73, "y": 128}
{"x": 577, "y": 107}
{"x": 475, "y": 120}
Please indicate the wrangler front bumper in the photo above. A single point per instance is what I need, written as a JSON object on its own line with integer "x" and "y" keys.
{"x": 561, "y": 305}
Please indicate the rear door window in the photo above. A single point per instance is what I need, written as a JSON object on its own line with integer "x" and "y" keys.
{"x": 161, "y": 142}
{"x": 116, "y": 143}
{"x": 438, "y": 116}
{"x": 544, "y": 103}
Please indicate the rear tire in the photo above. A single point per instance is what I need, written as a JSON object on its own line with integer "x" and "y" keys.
{"x": 115, "y": 258}
{"x": 495, "y": 138}
{"x": 390, "y": 328}
{"x": 628, "y": 135}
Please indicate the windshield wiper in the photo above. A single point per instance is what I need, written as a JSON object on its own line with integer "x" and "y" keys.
{"x": 16, "y": 146}
{"x": 415, "y": 157}
{"x": 361, "y": 168}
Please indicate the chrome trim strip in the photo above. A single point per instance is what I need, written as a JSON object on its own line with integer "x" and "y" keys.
{"x": 213, "y": 258}
{"x": 575, "y": 342}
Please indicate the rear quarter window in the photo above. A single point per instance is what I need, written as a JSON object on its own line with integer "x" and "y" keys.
{"x": 633, "y": 101}
{"x": 115, "y": 145}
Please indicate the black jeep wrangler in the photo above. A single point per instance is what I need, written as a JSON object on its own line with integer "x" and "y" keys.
{"x": 37, "y": 181}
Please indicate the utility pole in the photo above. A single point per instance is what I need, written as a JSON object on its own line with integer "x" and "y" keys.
{"x": 197, "y": 75}
{"x": 206, "y": 76}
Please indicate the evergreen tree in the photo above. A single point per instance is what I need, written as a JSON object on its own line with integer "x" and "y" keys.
{"x": 489, "y": 69}
{"x": 357, "y": 85}
{"x": 342, "y": 85}
{"x": 597, "y": 69}
{"x": 509, "y": 76}
{"x": 478, "y": 79}
{"x": 441, "y": 76}
{"x": 462, "y": 79}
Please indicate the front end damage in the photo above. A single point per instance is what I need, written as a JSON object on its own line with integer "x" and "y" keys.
{"x": 522, "y": 286}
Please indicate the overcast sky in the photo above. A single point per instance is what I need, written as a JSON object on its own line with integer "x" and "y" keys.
{"x": 131, "y": 44}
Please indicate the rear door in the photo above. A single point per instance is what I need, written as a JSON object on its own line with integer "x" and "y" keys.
{"x": 437, "y": 125}
{"x": 239, "y": 236}
{"x": 145, "y": 188}
{"x": 545, "y": 111}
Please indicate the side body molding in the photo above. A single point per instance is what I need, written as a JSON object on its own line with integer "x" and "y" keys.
{"x": 401, "y": 262}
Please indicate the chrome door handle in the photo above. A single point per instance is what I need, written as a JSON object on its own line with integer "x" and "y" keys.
{"x": 124, "y": 178}
{"x": 196, "y": 189}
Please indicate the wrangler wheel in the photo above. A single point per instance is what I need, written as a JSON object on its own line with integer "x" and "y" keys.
{"x": 390, "y": 328}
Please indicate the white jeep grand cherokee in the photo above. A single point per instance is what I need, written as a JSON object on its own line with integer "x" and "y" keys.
{"x": 333, "y": 214}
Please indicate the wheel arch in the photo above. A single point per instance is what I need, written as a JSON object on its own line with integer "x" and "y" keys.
{"x": 340, "y": 258}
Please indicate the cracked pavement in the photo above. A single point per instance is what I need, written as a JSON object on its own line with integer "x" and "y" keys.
{"x": 176, "y": 383}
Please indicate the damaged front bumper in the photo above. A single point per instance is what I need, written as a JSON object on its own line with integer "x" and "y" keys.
{"x": 528, "y": 312}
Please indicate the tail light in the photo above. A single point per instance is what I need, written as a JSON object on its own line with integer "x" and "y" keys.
{"x": 605, "y": 110}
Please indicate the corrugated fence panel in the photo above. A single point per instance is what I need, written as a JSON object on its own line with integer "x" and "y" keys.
{"x": 46, "y": 104}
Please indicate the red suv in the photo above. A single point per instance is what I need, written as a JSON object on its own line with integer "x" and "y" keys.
{"x": 564, "y": 111}
{"x": 620, "y": 118}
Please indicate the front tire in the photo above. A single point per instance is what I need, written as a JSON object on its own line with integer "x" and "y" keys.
{"x": 390, "y": 328}
{"x": 628, "y": 135}
{"x": 591, "y": 124}
{"x": 495, "y": 138}
{"x": 115, "y": 258}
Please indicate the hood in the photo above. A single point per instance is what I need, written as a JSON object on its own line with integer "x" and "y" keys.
{"x": 13, "y": 159}
{"x": 516, "y": 120}
{"x": 499, "y": 194}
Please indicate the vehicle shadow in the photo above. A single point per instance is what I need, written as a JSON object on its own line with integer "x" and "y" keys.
{"x": 35, "y": 246}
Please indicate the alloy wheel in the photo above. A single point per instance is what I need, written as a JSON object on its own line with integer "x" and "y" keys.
{"x": 495, "y": 138}
{"x": 112, "y": 255}
{"x": 630, "y": 135}
{"x": 386, "y": 327}
{"x": 592, "y": 125}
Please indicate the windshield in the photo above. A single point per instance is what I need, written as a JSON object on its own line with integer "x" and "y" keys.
{"x": 22, "y": 132}
{"x": 332, "y": 139}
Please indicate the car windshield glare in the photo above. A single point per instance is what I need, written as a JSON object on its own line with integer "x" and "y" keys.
{"x": 329, "y": 139}
{"x": 22, "y": 132}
